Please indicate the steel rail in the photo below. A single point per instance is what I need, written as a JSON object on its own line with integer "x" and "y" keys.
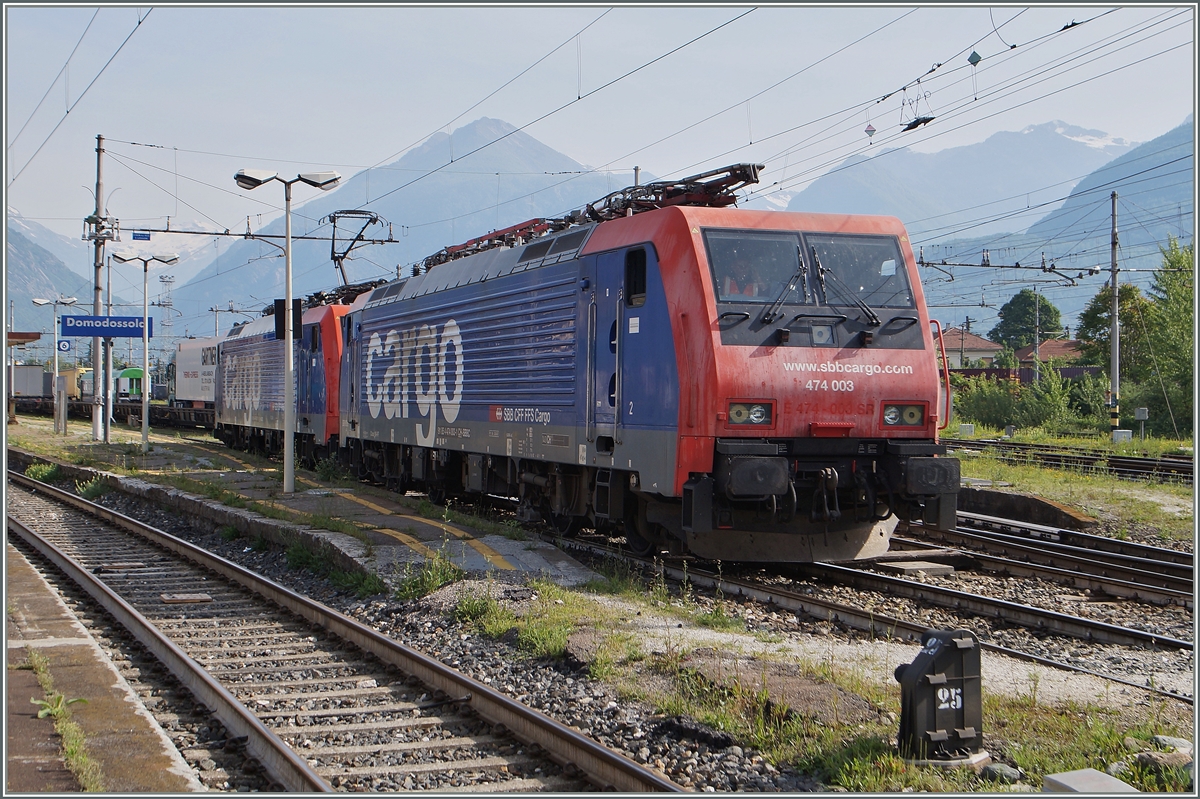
{"x": 1184, "y": 561}
{"x": 564, "y": 745}
{"x": 1107, "y": 584}
{"x": 1054, "y": 557}
{"x": 1135, "y": 467}
{"x": 279, "y": 760}
{"x": 1169, "y": 574}
{"x": 865, "y": 620}
{"x": 1026, "y": 615}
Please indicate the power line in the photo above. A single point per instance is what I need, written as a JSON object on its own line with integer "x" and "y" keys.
{"x": 80, "y": 97}
{"x": 796, "y": 179}
{"x": 49, "y": 88}
{"x": 572, "y": 102}
{"x": 379, "y": 164}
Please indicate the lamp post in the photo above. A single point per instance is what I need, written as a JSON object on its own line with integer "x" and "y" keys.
{"x": 54, "y": 389}
{"x": 124, "y": 258}
{"x": 252, "y": 179}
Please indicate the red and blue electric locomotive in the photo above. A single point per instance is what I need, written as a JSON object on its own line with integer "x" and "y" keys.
{"x": 249, "y": 388}
{"x": 743, "y": 385}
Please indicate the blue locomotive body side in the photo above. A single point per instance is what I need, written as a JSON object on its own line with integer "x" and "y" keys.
{"x": 518, "y": 354}
{"x": 249, "y": 390}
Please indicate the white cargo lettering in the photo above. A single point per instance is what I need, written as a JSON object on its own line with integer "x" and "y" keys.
{"x": 421, "y": 364}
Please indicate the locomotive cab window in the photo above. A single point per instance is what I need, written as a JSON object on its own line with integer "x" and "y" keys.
{"x": 869, "y": 268}
{"x": 635, "y": 278}
{"x": 753, "y": 265}
{"x": 315, "y": 338}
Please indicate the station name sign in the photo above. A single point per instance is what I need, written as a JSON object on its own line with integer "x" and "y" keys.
{"x": 104, "y": 326}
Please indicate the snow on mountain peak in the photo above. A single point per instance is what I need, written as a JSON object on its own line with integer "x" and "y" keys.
{"x": 1096, "y": 139}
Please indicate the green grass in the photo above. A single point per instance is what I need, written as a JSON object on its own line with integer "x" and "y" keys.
{"x": 617, "y": 578}
{"x": 429, "y": 576}
{"x": 486, "y": 614}
{"x": 1132, "y": 502}
{"x": 717, "y": 619}
{"x": 543, "y": 631}
{"x": 446, "y": 513}
{"x": 360, "y": 584}
{"x": 45, "y": 472}
{"x": 205, "y": 489}
{"x": 329, "y": 470}
{"x": 1151, "y": 447}
{"x": 57, "y": 706}
{"x": 92, "y": 489}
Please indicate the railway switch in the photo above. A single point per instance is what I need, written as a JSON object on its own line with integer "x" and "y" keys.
{"x": 941, "y": 703}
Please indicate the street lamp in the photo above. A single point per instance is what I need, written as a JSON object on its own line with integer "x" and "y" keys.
{"x": 54, "y": 389}
{"x": 252, "y": 179}
{"x": 124, "y": 258}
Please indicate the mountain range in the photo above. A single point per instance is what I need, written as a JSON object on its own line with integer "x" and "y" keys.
{"x": 1016, "y": 194}
{"x": 953, "y": 187}
{"x": 1155, "y": 190}
{"x": 33, "y": 271}
{"x": 483, "y": 188}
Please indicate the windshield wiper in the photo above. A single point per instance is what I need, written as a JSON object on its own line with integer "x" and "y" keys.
{"x": 872, "y": 318}
{"x": 801, "y": 274}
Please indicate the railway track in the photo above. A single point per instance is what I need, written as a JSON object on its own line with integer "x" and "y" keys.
{"x": 790, "y": 595}
{"x": 1031, "y": 617}
{"x": 1099, "y": 544}
{"x": 1151, "y": 576}
{"x": 278, "y": 668}
{"x": 1180, "y": 468}
{"x": 160, "y": 415}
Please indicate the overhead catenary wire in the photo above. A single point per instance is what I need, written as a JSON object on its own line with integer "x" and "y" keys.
{"x": 50, "y": 88}
{"x": 966, "y": 106}
{"x": 570, "y": 103}
{"x": 692, "y": 166}
{"x": 560, "y": 108}
{"x": 83, "y": 94}
{"x": 514, "y": 199}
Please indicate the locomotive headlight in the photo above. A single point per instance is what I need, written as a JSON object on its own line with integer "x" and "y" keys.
{"x": 908, "y": 415}
{"x": 749, "y": 413}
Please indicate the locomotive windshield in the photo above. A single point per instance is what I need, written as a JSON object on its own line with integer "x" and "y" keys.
{"x": 752, "y": 266}
{"x": 867, "y": 268}
{"x": 757, "y": 266}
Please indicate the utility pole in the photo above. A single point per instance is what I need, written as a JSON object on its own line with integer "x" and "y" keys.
{"x": 1037, "y": 337}
{"x": 99, "y": 231}
{"x": 1114, "y": 413}
{"x": 108, "y": 367}
{"x": 962, "y": 341}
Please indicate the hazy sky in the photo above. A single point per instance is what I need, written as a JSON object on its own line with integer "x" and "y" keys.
{"x": 294, "y": 89}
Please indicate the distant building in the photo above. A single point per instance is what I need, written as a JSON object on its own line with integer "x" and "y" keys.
{"x": 962, "y": 346}
{"x": 1064, "y": 351}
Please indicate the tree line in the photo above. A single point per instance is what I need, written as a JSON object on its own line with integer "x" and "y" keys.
{"x": 1156, "y": 361}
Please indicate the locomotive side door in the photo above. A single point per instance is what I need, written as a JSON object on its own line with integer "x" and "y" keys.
{"x": 350, "y": 366}
{"x": 604, "y": 330}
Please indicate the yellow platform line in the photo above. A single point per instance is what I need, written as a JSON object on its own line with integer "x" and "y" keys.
{"x": 490, "y": 555}
{"x": 406, "y": 539}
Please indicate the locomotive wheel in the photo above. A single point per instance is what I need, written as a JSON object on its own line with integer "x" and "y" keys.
{"x": 437, "y": 495}
{"x": 566, "y": 526}
{"x": 637, "y": 544}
